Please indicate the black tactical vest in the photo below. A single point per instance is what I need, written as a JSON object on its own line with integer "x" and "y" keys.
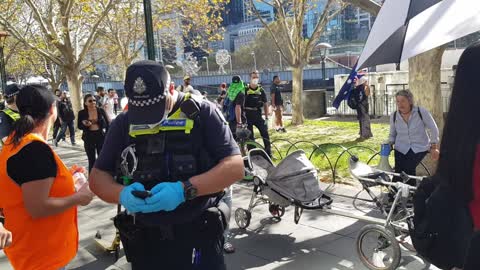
{"x": 172, "y": 151}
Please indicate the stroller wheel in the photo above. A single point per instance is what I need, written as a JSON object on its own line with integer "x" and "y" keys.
{"x": 378, "y": 248}
{"x": 242, "y": 218}
{"x": 276, "y": 210}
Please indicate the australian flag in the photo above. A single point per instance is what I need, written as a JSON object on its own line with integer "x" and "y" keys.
{"x": 348, "y": 86}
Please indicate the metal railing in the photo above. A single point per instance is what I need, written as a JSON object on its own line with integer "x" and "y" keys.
{"x": 324, "y": 151}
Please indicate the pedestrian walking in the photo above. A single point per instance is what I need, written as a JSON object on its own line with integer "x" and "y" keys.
{"x": 67, "y": 117}
{"x": 57, "y": 124}
{"x": 93, "y": 121}
{"x": 277, "y": 103}
{"x": 413, "y": 133}
{"x": 37, "y": 191}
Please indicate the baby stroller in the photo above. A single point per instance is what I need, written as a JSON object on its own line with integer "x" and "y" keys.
{"x": 293, "y": 182}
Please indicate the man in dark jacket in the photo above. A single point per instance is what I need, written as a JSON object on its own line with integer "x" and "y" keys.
{"x": 67, "y": 117}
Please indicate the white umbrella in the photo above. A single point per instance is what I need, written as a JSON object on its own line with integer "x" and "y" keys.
{"x": 405, "y": 28}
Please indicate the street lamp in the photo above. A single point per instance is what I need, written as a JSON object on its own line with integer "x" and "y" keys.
{"x": 147, "y": 8}
{"x": 208, "y": 70}
{"x": 254, "y": 60}
{"x": 280, "y": 57}
{"x": 95, "y": 78}
{"x": 3, "y": 73}
{"x": 325, "y": 47}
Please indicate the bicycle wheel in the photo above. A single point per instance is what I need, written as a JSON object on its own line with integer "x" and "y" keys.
{"x": 377, "y": 248}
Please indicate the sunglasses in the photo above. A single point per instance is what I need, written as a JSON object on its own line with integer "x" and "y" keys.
{"x": 91, "y": 101}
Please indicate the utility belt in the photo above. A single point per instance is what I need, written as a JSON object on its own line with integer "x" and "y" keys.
{"x": 138, "y": 239}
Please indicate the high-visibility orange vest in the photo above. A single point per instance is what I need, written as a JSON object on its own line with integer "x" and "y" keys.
{"x": 47, "y": 243}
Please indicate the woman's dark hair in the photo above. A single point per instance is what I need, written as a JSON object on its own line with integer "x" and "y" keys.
{"x": 87, "y": 96}
{"x": 462, "y": 129}
{"x": 34, "y": 103}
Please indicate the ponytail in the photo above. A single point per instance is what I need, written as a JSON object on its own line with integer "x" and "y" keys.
{"x": 22, "y": 127}
{"x": 34, "y": 103}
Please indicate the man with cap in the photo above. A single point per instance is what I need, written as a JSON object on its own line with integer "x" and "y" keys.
{"x": 10, "y": 114}
{"x": 176, "y": 155}
{"x": 186, "y": 85}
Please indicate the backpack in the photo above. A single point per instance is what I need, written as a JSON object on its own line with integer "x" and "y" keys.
{"x": 229, "y": 109}
{"x": 442, "y": 225}
{"x": 355, "y": 97}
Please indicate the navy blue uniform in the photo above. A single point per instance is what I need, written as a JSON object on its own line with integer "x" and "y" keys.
{"x": 215, "y": 136}
{"x": 6, "y": 124}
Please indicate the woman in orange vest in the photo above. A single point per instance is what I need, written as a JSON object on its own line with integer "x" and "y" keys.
{"x": 37, "y": 191}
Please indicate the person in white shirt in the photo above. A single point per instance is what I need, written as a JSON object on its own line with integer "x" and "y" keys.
{"x": 110, "y": 104}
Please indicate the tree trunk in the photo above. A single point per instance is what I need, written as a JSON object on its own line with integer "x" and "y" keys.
{"x": 74, "y": 81}
{"x": 297, "y": 90}
{"x": 425, "y": 84}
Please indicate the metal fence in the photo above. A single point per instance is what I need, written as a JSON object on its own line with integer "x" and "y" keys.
{"x": 382, "y": 101}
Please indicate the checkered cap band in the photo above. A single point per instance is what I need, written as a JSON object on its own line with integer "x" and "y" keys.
{"x": 147, "y": 102}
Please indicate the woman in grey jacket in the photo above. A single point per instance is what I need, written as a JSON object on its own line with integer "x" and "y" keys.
{"x": 413, "y": 132}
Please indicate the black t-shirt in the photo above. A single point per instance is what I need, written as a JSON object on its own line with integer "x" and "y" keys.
{"x": 6, "y": 124}
{"x": 38, "y": 158}
{"x": 277, "y": 90}
{"x": 216, "y": 135}
{"x": 240, "y": 100}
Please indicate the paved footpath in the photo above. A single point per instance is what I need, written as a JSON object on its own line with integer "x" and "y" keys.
{"x": 320, "y": 241}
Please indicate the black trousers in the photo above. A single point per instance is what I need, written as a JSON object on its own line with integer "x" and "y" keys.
{"x": 63, "y": 130}
{"x": 56, "y": 128}
{"x": 408, "y": 163}
{"x": 254, "y": 118}
{"x": 197, "y": 245}
{"x": 93, "y": 142}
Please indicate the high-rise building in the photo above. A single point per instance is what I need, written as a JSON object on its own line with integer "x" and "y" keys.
{"x": 233, "y": 13}
{"x": 266, "y": 11}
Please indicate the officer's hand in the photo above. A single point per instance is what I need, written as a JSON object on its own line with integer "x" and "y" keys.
{"x": 165, "y": 197}
{"x": 129, "y": 201}
{"x": 5, "y": 237}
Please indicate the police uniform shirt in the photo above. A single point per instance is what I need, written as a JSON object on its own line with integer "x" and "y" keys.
{"x": 217, "y": 137}
{"x": 249, "y": 102}
{"x": 6, "y": 124}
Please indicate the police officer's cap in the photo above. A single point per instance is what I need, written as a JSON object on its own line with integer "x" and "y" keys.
{"x": 146, "y": 84}
{"x": 11, "y": 90}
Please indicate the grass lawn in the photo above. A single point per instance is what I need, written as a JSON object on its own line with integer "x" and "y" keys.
{"x": 325, "y": 134}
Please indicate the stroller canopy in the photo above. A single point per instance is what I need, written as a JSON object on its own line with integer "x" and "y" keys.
{"x": 296, "y": 178}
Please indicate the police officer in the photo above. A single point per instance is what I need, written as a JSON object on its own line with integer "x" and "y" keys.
{"x": 177, "y": 153}
{"x": 255, "y": 99}
{"x": 10, "y": 114}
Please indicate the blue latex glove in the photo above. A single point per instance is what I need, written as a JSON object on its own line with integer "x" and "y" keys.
{"x": 165, "y": 197}
{"x": 129, "y": 201}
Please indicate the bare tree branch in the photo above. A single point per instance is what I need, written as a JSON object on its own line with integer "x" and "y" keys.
{"x": 277, "y": 43}
{"x": 93, "y": 32}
